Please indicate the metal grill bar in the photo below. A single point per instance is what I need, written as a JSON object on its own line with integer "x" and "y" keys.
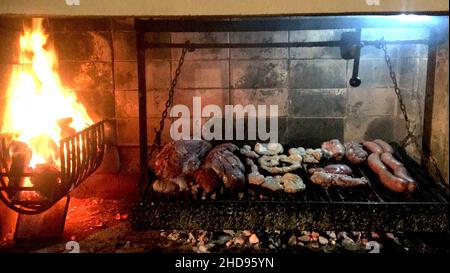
{"x": 277, "y": 45}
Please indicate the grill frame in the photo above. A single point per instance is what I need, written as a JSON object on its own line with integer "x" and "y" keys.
{"x": 177, "y": 212}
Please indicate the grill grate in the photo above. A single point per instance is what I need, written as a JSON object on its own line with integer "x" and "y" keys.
{"x": 316, "y": 207}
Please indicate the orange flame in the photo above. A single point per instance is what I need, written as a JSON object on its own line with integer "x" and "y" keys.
{"x": 37, "y": 100}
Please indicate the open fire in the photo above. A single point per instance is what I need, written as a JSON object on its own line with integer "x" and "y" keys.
{"x": 40, "y": 111}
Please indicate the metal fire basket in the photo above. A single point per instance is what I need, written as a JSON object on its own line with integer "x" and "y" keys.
{"x": 80, "y": 154}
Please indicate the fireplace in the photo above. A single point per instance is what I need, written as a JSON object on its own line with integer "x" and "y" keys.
{"x": 327, "y": 75}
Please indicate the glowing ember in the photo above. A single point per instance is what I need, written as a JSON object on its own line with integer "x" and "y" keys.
{"x": 38, "y": 101}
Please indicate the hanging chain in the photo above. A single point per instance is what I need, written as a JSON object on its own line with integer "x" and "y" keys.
{"x": 410, "y": 138}
{"x": 169, "y": 102}
{"x": 156, "y": 145}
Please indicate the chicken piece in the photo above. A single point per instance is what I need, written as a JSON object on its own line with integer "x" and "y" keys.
{"x": 281, "y": 170}
{"x": 165, "y": 187}
{"x": 333, "y": 149}
{"x": 297, "y": 151}
{"x": 316, "y": 153}
{"x": 180, "y": 158}
{"x": 310, "y": 159}
{"x": 254, "y": 177}
{"x": 273, "y": 183}
{"x": 342, "y": 180}
{"x": 269, "y": 160}
{"x": 268, "y": 148}
{"x": 355, "y": 153}
{"x": 207, "y": 179}
{"x": 247, "y": 151}
{"x": 292, "y": 183}
{"x": 226, "y": 165}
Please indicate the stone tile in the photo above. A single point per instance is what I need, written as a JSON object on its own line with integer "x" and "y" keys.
{"x": 219, "y": 97}
{"x": 110, "y": 132}
{"x": 124, "y": 44}
{"x": 11, "y": 23}
{"x": 407, "y": 72}
{"x": 99, "y": 104}
{"x": 127, "y": 104}
{"x": 98, "y": 185}
{"x": 126, "y": 78}
{"x": 259, "y": 74}
{"x": 158, "y": 74}
{"x": 83, "y": 46}
{"x": 125, "y": 75}
{"x": 280, "y": 132}
{"x": 259, "y": 37}
{"x": 371, "y": 101}
{"x": 315, "y": 53}
{"x": 317, "y": 103}
{"x": 10, "y": 46}
{"x": 395, "y": 51}
{"x": 265, "y": 97}
{"x": 111, "y": 161}
{"x": 129, "y": 160}
{"x": 86, "y": 76}
{"x": 315, "y": 36}
{"x": 158, "y": 53}
{"x": 198, "y": 37}
{"x": 373, "y": 73}
{"x": 128, "y": 131}
{"x": 5, "y": 77}
{"x": 80, "y": 24}
{"x": 317, "y": 74}
{"x": 203, "y": 74}
{"x": 311, "y": 132}
{"x": 359, "y": 128}
{"x": 122, "y": 23}
{"x": 156, "y": 100}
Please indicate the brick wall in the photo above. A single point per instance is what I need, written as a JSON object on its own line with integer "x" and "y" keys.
{"x": 97, "y": 59}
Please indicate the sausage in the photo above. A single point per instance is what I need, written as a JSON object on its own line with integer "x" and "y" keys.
{"x": 375, "y": 163}
{"x": 392, "y": 182}
{"x": 390, "y": 161}
{"x": 403, "y": 173}
{"x": 373, "y": 147}
{"x": 399, "y": 169}
{"x": 397, "y": 182}
{"x": 384, "y": 145}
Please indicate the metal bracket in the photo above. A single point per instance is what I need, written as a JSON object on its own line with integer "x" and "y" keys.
{"x": 350, "y": 49}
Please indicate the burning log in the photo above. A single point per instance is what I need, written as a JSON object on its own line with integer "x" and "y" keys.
{"x": 20, "y": 155}
{"x": 66, "y": 130}
{"x": 47, "y": 180}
